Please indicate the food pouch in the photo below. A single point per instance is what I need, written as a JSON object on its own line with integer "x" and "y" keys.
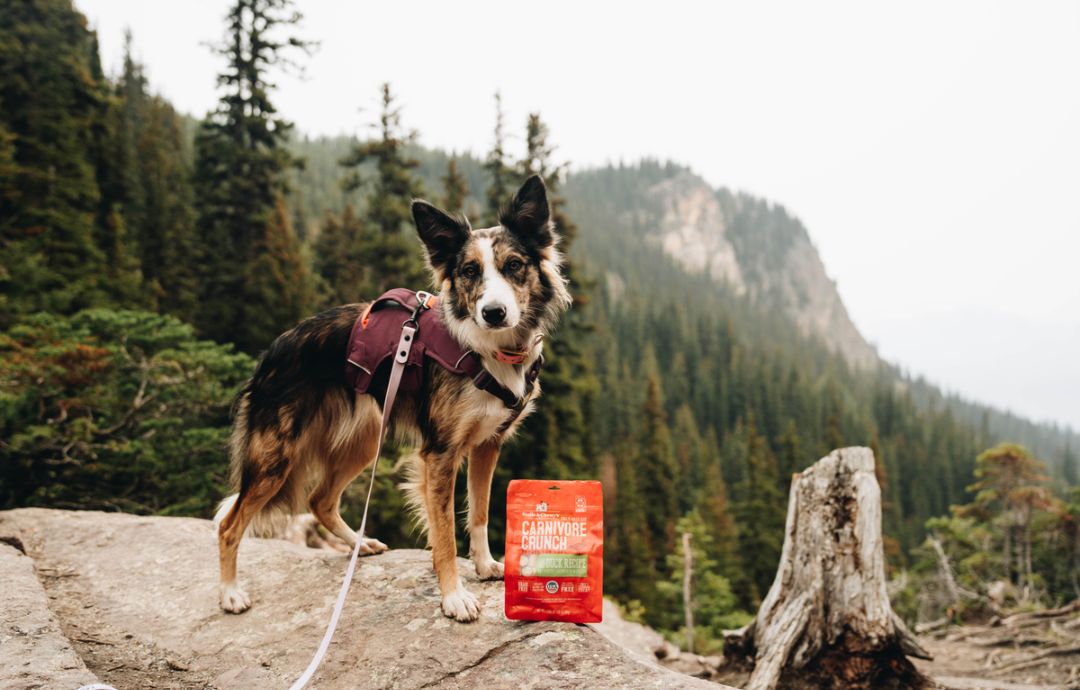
{"x": 554, "y": 551}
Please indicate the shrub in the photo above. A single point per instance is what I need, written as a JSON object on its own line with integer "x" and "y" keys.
{"x": 114, "y": 410}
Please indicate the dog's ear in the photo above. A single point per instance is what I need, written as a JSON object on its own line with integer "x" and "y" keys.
{"x": 529, "y": 216}
{"x": 442, "y": 234}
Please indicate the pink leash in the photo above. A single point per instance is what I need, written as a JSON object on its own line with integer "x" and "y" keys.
{"x": 408, "y": 335}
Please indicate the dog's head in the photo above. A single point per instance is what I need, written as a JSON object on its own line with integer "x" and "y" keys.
{"x": 502, "y": 283}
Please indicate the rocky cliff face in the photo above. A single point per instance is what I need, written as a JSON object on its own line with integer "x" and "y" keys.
{"x": 758, "y": 250}
{"x": 132, "y": 601}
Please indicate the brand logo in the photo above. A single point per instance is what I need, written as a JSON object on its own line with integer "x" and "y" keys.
{"x": 552, "y": 586}
{"x": 541, "y": 507}
{"x": 579, "y": 504}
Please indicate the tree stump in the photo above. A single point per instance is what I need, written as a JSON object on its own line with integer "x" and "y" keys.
{"x": 826, "y": 621}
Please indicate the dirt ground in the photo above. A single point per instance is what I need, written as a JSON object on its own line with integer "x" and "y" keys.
{"x": 984, "y": 658}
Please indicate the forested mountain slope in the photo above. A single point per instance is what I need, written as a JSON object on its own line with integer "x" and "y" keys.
{"x": 635, "y": 219}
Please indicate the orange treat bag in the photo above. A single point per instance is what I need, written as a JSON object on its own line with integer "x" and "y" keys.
{"x": 554, "y": 551}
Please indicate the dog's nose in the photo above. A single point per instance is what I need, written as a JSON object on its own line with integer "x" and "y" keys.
{"x": 494, "y": 314}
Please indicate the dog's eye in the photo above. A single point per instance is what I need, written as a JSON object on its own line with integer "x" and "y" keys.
{"x": 513, "y": 265}
{"x": 470, "y": 271}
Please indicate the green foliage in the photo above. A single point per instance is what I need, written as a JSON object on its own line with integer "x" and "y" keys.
{"x": 712, "y": 602}
{"x": 149, "y": 183}
{"x": 759, "y": 510}
{"x": 657, "y": 467}
{"x": 455, "y": 188}
{"x": 339, "y": 260}
{"x": 51, "y": 108}
{"x": 1014, "y": 537}
{"x": 500, "y": 172}
{"x": 241, "y": 158}
{"x": 277, "y": 283}
{"x": 391, "y": 251}
{"x": 115, "y": 410}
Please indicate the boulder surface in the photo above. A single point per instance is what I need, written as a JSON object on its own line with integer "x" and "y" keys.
{"x": 132, "y": 601}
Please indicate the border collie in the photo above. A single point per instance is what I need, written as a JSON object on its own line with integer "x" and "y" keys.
{"x": 301, "y": 434}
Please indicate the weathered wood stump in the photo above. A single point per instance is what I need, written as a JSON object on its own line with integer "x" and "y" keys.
{"x": 826, "y": 621}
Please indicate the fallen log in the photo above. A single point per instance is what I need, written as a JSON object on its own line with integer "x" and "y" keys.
{"x": 1030, "y": 616}
{"x": 826, "y": 621}
{"x": 1027, "y": 661}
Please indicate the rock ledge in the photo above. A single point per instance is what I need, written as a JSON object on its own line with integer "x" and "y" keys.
{"x": 132, "y": 601}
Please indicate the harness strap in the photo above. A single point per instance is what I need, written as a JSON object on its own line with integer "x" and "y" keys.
{"x": 401, "y": 355}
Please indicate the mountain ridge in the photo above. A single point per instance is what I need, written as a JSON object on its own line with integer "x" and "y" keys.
{"x": 718, "y": 232}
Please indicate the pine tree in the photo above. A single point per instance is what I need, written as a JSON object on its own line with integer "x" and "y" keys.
{"x": 455, "y": 188}
{"x": 392, "y": 253}
{"x": 241, "y": 159}
{"x": 145, "y": 178}
{"x": 278, "y": 279}
{"x": 688, "y": 458}
{"x": 167, "y": 234}
{"x": 1070, "y": 463}
{"x": 711, "y": 600}
{"x": 716, "y": 512}
{"x": 789, "y": 456}
{"x": 340, "y": 261}
{"x": 499, "y": 170}
{"x": 1010, "y": 486}
{"x": 50, "y": 110}
{"x": 657, "y": 468}
{"x": 112, "y": 149}
{"x": 632, "y": 572}
{"x": 760, "y": 511}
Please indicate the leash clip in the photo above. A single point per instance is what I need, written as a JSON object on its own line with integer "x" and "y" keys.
{"x": 424, "y": 299}
{"x": 423, "y": 303}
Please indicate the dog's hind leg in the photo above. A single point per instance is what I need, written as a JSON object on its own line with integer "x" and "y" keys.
{"x": 481, "y": 469}
{"x": 341, "y": 465}
{"x": 266, "y": 471}
{"x": 440, "y": 472}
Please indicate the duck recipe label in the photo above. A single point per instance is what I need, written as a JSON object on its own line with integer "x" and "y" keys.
{"x": 554, "y": 551}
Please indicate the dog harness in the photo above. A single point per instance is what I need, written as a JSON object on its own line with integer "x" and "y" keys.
{"x": 373, "y": 344}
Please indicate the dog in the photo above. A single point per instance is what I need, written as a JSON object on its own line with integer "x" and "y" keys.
{"x": 301, "y": 434}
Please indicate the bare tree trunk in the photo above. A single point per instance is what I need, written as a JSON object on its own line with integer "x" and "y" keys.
{"x": 1008, "y": 553}
{"x": 954, "y": 590}
{"x": 1028, "y": 573}
{"x": 826, "y": 621}
{"x": 688, "y": 572}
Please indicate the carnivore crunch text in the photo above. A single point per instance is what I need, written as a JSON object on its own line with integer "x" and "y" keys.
{"x": 554, "y": 550}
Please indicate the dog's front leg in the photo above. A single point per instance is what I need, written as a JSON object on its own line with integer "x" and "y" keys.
{"x": 440, "y": 471}
{"x": 481, "y": 469}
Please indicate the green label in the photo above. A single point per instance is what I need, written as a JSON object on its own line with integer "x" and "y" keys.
{"x": 554, "y": 565}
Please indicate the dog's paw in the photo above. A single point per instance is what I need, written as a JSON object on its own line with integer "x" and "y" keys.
{"x": 461, "y": 605}
{"x": 370, "y": 547}
{"x": 489, "y": 570}
{"x": 233, "y": 599}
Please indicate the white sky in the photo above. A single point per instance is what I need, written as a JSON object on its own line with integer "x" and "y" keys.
{"x": 931, "y": 148}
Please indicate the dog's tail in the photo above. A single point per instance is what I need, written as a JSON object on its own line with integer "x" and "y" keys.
{"x": 413, "y": 486}
{"x": 268, "y": 523}
{"x": 273, "y": 518}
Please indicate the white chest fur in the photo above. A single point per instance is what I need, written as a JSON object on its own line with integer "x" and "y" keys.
{"x": 487, "y": 413}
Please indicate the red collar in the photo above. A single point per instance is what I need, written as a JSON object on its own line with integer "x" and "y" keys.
{"x": 517, "y": 356}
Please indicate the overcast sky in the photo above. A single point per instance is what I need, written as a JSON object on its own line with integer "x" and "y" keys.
{"x": 932, "y": 149}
